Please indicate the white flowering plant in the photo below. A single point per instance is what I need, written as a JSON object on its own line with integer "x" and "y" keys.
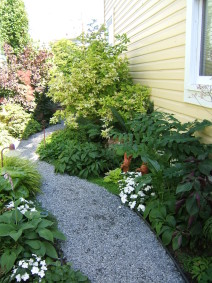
{"x": 33, "y": 268}
{"x": 26, "y": 229}
{"x": 132, "y": 194}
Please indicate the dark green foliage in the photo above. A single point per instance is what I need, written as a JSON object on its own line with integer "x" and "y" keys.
{"x": 64, "y": 273}
{"x": 75, "y": 152}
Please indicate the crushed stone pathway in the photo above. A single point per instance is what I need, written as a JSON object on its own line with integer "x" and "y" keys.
{"x": 105, "y": 240}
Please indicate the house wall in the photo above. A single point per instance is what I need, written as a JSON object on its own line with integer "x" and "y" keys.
{"x": 156, "y": 52}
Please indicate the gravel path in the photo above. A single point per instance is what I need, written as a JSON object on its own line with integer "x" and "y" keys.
{"x": 105, "y": 240}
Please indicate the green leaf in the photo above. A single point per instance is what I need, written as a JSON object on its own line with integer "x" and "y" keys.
{"x": 58, "y": 235}
{"x": 15, "y": 235}
{"x": 176, "y": 242}
{"x": 167, "y": 237}
{"x": 46, "y": 234}
{"x": 171, "y": 221}
{"x": 31, "y": 235}
{"x": 191, "y": 205}
{"x": 35, "y": 244}
{"x": 185, "y": 187}
{"x": 7, "y": 260}
{"x": 50, "y": 250}
{"x": 205, "y": 167}
{"x": 45, "y": 223}
{"x": 5, "y": 229}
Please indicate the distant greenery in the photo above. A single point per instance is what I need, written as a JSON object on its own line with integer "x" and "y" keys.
{"x": 13, "y": 24}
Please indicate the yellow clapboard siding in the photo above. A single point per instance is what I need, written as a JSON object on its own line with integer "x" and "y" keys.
{"x": 171, "y": 53}
{"x": 121, "y": 8}
{"x": 108, "y": 5}
{"x": 191, "y": 110}
{"x": 163, "y": 75}
{"x": 162, "y": 25}
{"x": 159, "y": 65}
{"x": 162, "y": 11}
{"x": 175, "y": 41}
{"x": 169, "y": 33}
{"x": 162, "y": 84}
{"x": 132, "y": 12}
{"x": 168, "y": 94}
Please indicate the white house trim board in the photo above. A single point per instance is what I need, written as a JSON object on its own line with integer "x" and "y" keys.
{"x": 192, "y": 57}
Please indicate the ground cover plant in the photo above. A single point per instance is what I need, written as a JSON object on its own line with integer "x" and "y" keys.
{"x": 28, "y": 235}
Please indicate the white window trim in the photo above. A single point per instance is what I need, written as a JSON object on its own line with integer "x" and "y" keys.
{"x": 192, "y": 62}
{"x": 110, "y": 16}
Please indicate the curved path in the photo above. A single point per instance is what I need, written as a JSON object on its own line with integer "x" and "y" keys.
{"x": 105, "y": 240}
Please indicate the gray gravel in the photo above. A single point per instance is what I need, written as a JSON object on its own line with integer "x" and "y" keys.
{"x": 105, "y": 240}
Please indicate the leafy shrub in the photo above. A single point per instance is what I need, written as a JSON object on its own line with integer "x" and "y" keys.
{"x": 80, "y": 159}
{"x": 17, "y": 122}
{"x": 5, "y": 137}
{"x": 90, "y": 76}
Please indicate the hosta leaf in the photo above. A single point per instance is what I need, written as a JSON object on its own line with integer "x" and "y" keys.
{"x": 176, "y": 242}
{"x": 45, "y": 223}
{"x": 46, "y": 234}
{"x": 50, "y": 250}
{"x": 7, "y": 260}
{"x": 15, "y": 235}
{"x": 58, "y": 235}
{"x": 35, "y": 244}
{"x": 5, "y": 229}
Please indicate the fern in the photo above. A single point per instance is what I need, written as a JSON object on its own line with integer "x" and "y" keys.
{"x": 207, "y": 229}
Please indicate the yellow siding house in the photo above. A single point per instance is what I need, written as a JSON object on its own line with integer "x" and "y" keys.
{"x": 170, "y": 50}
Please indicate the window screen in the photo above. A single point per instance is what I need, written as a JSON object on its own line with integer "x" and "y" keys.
{"x": 206, "y": 41}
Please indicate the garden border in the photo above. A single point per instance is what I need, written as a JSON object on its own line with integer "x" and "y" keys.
{"x": 167, "y": 251}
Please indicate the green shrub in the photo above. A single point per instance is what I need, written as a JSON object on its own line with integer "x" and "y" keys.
{"x": 17, "y": 122}
{"x": 5, "y": 138}
{"x": 90, "y": 76}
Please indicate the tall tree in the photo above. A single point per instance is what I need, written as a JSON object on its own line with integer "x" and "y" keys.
{"x": 13, "y": 24}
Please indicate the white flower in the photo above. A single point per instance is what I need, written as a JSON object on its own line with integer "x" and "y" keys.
{"x": 35, "y": 263}
{"x": 20, "y": 262}
{"x": 124, "y": 198}
{"x": 33, "y": 209}
{"x": 43, "y": 262}
{"x": 152, "y": 194}
{"x": 25, "y": 265}
{"x": 38, "y": 258}
{"x": 147, "y": 188}
{"x": 14, "y": 270}
{"x": 35, "y": 270}
{"x": 31, "y": 261}
{"x": 141, "y": 207}
{"x": 31, "y": 202}
{"x": 133, "y": 196}
{"x": 26, "y": 206}
{"x": 43, "y": 267}
{"x": 10, "y": 205}
{"x": 141, "y": 194}
{"x": 25, "y": 276}
{"x": 23, "y": 211}
{"x": 22, "y": 200}
{"x": 18, "y": 278}
{"x": 132, "y": 204}
{"x": 41, "y": 273}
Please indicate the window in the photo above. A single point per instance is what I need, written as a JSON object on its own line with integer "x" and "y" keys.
{"x": 198, "y": 65}
{"x": 109, "y": 26}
